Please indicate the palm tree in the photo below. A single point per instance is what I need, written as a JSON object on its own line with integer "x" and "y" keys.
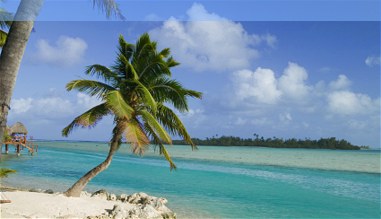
{"x": 13, "y": 50}
{"x": 135, "y": 91}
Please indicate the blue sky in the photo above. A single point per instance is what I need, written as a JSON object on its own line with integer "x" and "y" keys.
{"x": 299, "y": 76}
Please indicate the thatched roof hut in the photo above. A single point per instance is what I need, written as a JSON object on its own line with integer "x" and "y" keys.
{"x": 18, "y": 128}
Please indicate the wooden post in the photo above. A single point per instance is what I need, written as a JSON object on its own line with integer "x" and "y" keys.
{"x": 18, "y": 150}
{"x": 6, "y": 148}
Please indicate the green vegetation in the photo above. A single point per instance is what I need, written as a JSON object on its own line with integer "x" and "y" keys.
{"x": 139, "y": 93}
{"x": 322, "y": 143}
{"x": 4, "y": 172}
{"x": 6, "y": 136}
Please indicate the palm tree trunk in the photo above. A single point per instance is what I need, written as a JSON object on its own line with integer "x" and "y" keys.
{"x": 76, "y": 189}
{"x": 12, "y": 53}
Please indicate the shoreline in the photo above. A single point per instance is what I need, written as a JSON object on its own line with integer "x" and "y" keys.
{"x": 38, "y": 203}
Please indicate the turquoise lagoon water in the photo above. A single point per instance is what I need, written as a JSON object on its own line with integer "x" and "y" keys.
{"x": 218, "y": 182}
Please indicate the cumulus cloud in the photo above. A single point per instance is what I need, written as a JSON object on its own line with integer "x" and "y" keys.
{"x": 263, "y": 86}
{"x": 87, "y": 101}
{"x": 350, "y": 103}
{"x": 49, "y": 106}
{"x": 373, "y": 61}
{"x": 21, "y": 105}
{"x": 67, "y": 51}
{"x": 210, "y": 42}
{"x": 293, "y": 81}
{"x": 260, "y": 85}
{"x": 341, "y": 83}
{"x": 194, "y": 117}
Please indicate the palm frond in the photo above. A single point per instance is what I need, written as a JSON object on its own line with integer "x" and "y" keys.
{"x": 155, "y": 126}
{"x": 171, "y": 91}
{"x": 164, "y": 152}
{"x": 165, "y": 52}
{"x": 136, "y": 137}
{"x": 172, "y": 62}
{"x": 90, "y": 87}
{"x": 101, "y": 72}
{"x": 110, "y": 7}
{"x": 87, "y": 119}
{"x": 3, "y": 38}
{"x": 173, "y": 124}
{"x": 116, "y": 102}
{"x": 125, "y": 48}
{"x": 4, "y": 172}
{"x": 144, "y": 46}
{"x": 157, "y": 142}
{"x": 146, "y": 95}
{"x": 155, "y": 67}
{"x": 131, "y": 69}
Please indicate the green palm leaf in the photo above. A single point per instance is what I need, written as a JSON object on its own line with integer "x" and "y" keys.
{"x": 4, "y": 172}
{"x": 87, "y": 119}
{"x": 155, "y": 126}
{"x": 144, "y": 93}
{"x": 171, "y": 91}
{"x": 136, "y": 137}
{"x": 92, "y": 88}
{"x": 102, "y": 72}
{"x": 173, "y": 124}
{"x": 164, "y": 151}
{"x": 157, "y": 142}
{"x": 118, "y": 105}
{"x": 3, "y": 38}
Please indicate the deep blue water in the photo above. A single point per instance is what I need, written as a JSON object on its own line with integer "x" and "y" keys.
{"x": 208, "y": 188}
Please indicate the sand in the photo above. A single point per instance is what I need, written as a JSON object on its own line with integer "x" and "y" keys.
{"x": 41, "y": 205}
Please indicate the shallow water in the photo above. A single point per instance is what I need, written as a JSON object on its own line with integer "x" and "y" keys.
{"x": 220, "y": 182}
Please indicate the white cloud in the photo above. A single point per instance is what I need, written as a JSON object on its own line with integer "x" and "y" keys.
{"x": 210, "y": 42}
{"x": 341, "y": 83}
{"x": 260, "y": 85}
{"x": 50, "y": 107}
{"x": 263, "y": 86}
{"x": 87, "y": 101}
{"x": 194, "y": 117}
{"x": 292, "y": 82}
{"x": 67, "y": 51}
{"x": 373, "y": 61}
{"x": 21, "y": 105}
{"x": 350, "y": 103}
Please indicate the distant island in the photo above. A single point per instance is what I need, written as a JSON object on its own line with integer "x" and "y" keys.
{"x": 322, "y": 143}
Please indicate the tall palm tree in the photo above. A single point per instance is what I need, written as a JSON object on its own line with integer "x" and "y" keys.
{"x": 135, "y": 91}
{"x": 13, "y": 50}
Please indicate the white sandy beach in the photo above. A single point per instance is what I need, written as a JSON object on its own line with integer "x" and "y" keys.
{"x": 41, "y": 205}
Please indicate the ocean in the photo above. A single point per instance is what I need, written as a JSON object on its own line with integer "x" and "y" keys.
{"x": 217, "y": 182}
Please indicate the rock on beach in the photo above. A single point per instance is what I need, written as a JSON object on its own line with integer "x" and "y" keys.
{"x": 98, "y": 205}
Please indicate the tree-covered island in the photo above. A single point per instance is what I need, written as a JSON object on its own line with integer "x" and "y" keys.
{"x": 322, "y": 143}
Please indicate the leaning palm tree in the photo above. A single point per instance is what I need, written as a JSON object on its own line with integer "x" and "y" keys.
{"x": 17, "y": 39}
{"x": 138, "y": 92}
